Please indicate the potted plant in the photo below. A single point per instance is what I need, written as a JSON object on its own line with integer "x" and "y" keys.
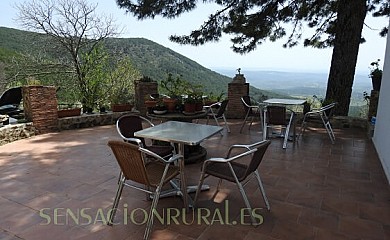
{"x": 376, "y": 75}
{"x": 68, "y": 110}
{"x": 190, "y": 104}
{"x": 150, "y": 103}
{"x": 174, "y": 88}
{"x": 160, "y": 107}
{"x": 213, "y": 98}
{"x": 122, "y": 100}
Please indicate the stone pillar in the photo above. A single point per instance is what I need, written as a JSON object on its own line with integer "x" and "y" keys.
{"x": 142, "y": 89}
{"x": 236, "y": 89}
{"x": 40, "y": 107}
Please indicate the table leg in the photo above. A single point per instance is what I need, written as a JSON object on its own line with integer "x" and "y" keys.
{"x": 264, "y": 124}
{"x": 183, "y": 180}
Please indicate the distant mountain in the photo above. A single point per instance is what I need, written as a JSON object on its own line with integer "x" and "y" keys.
{"x": 150, "y": 58}
{"x": 300, "y": 84}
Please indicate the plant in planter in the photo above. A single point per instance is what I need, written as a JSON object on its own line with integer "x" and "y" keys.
{"x": 150, "y": 103}
{"x": 190, "y": 103}
{"x": 213, "y": 98}
{"x": 174, "y": 88}
{"x": 121, "y": 85}
{"x": 376, "y": 75}
{"x": 68, "y": 110}
{"x": 122, "y": 101}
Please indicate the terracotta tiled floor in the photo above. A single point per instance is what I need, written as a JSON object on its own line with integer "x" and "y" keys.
{"x": 61, "y": 186}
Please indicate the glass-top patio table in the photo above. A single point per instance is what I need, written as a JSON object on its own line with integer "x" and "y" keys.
{"x": 182, "y": 133}
{"x": 283, "y": 102}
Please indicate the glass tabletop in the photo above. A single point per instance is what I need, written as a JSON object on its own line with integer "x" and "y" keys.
{"x": 179, "y": 132}
{"x": 285, "y": 101}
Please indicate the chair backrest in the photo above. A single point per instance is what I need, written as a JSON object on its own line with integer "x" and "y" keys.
{"x": 328, "y": 110}
{"x": 127, "y": 125}
{"x": 276, "y": 115}
{"x": 257, "y": 156}
{"x": 222, "y": 108}
{"x": 246, "y": 101}
{"x": 12, "y": 96}
{"x": 130, "y": 161}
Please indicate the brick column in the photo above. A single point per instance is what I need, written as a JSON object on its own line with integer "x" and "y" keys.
{"x": 235, "y": 91}
{"x": 141, "y": 90}
{"x": 40, "y": 107}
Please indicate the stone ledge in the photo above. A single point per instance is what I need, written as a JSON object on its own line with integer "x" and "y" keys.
{"x": 89, "y": 120}
{"x": 14, "y": 132}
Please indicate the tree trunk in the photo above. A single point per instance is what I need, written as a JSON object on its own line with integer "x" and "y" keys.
{"x": 350, "y": 19}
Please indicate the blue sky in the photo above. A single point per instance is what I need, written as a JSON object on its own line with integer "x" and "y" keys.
{"x": 268, "y": 56}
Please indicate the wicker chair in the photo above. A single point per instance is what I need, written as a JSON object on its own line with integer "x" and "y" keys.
{"x": 128, "y": 124}
{"x": 232, "y": 170}
{"x": 135, "y": 169}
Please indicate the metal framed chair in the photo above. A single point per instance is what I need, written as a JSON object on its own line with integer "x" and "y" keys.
{"x": 277, "y": 116}
{"x": 217, "y": 111}
{"x": 136, "y": 171}
{"x": 233, "y": 170}
{"x": 252, "y": 111}
{"x": 323, "y": 115}
{"x": 128, "y": 124}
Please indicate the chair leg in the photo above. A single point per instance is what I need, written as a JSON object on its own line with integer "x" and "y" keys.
{"x": 156, "y": 197}
{"x": 149, "y": 224}
{"x": 199, "y": 188}
{"x": 219, "y": 184}
{"x": 262, "y": 190}
{"x": 116, "y": 201}
{"x": 226, "y": 124}
{"x": 247, "y": 204}
{"x": 120, "y": 177}
{"x": 329, "y": 129}
{"x": 287, "y": 133}
{"x": 216, "y": 121}
{"x": 246, "y": 117}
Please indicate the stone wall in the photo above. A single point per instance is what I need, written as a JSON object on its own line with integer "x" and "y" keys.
{"x": 14, "y": 132}
{"x": 40, "y": 107}
{"x": 89, "y": 120}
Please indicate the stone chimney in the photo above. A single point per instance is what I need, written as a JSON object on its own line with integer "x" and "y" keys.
{"x": 236, "y": 89}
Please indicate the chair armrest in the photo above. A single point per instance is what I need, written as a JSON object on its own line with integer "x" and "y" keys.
{"x": 170, "y": 160}
{"x": 241, "y": 155}
{"x": 216, "y": 160}
{"x": 174, "y": 158}
{"x": 215, "y": 104}
{"x": 246, "y": 146}
{"x": 136, "y": 140}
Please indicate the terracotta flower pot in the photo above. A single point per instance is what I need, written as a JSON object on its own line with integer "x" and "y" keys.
{"x": 189, "y": 107}
{"x": 170, "y": 103}
{"x": 69, "y": 112}
{"x": 121, "y": 107}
